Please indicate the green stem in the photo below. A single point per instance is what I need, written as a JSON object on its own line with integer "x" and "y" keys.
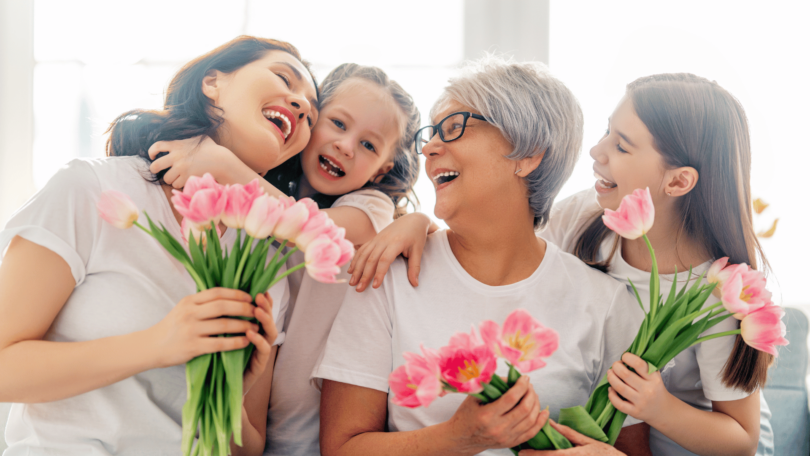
{"x": 245, "y": 254}
{"x": 654, "y": 280}
{"x": 714, "y": 336}
{"x": 286, "y": 273}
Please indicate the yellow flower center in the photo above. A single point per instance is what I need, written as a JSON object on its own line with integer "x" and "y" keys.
{"x": 411, "y": 386}
{"x": 525, "y": 343}
{"x": 469, "y": 371}
{"x": 746, "y": 296}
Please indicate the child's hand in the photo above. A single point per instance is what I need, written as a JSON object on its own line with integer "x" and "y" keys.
{"x": 192, "y": 157}
{"x": 263, "y": 342}
{"x": 406, "y": 236}
{"x": 643, "y": 395}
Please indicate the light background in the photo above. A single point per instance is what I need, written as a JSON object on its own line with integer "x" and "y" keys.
{"x": 96, "y": 59}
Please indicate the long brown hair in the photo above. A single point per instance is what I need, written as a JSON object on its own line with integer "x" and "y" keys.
{"x": 695, "y": 122}
{"x": 187, "y": 111}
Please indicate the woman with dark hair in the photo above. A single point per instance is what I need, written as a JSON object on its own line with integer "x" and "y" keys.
{"x": 98, "y": 322}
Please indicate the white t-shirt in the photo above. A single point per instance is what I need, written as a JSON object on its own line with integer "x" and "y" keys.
{"x": 594, "y": 316}
{"x": 695, "y": 375}
{"x": 293, "y": 420}
{"x": 125, "y": 282}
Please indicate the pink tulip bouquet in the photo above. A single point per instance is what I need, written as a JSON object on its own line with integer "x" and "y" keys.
{"x": 676, "y": 322}
{"x": 215, "y": 380}
{"x": 467, "y": 364}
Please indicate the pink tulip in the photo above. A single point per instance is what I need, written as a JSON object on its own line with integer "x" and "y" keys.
{"x": 744, "y": 292}
{"x": 321, "y": 259}
{"x": 311, "y": 206}
{"x": 239, "y": 199}
{"x": 346, "y": 251}
{"x": 416, "y": 383}
{"x": 291, "y": 221}
{"x": 202, "y": 201}
{"x": 763, "y": 329}
{"x": 465, "y": 364}
{"x": 318, "y": 224}
{"x": 187, "y": 228}
{"x": 719, "y": 273}
{"x": 522, "y": 341}
{"x": 263, "y": 216}
{"x": 117, "y": 209}
{"x": 634, "y": 217}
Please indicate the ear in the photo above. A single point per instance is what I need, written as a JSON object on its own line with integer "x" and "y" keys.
{"x": 680, "y": 181}
{"x": 384, "y": 169}
{"x": 527, "y": 165}
{"x": 211, "y": 84}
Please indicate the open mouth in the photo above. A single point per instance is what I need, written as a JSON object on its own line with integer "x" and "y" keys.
{"x": 330, "y": 167}
{"x": 443, "y": 178}
{"x": 282, "y": 119}
{"x": 602, "y": 182}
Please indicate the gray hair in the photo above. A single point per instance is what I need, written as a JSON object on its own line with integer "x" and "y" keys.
{"x": 534, "y": 111}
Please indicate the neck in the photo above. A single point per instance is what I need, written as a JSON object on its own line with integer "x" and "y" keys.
{"x": 497, "y": 251}
{"x": 671, "y": 251}
{"x": 304, "y": 188}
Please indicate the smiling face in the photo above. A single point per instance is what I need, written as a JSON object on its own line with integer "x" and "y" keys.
{"x": 354, "y": 140}
{"x": 467, "y": 173}
{"x": 625, "y": 159}
{"x": 268, "y": 107}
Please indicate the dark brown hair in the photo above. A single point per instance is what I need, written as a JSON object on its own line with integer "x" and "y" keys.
{"x": 187, "y": 111}
{"x": 695, "y": 122}
{"x": 399, "y": 181}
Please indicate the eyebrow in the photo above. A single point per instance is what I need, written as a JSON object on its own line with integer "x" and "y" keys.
{"x": 623, "y": 136}
{"x": 312, "y": 101}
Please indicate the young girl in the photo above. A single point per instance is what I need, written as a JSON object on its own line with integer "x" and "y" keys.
{"x": 685, "y": 138}
{"x": 360, "y": 164}
{"x": 96, "y": 323}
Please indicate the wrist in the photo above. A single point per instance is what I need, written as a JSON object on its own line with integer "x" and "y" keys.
{"x": 148, "y": 355}
{"x": 665, "y": 420}
{"x": 456, "y": 441}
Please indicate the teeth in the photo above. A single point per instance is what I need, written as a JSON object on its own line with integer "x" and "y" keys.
{"x": 271, "y": 114}
{"x": 447, "y": 174}
{"x": 327, "y": 169}
{"x": 333, "y": 163}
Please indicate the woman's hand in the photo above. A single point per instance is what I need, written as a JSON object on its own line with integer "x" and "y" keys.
{"x": 583, "y": 446}
{"x": 193, "y": 157}
{"x": 406, "y": 236}
{"x": 643, "y": 395}
{"x": 186, "y": 331}
{"x": 509, "y": 421}
{"x": 264, "y": 343}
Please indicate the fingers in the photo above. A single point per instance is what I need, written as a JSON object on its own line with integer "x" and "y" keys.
{"x": 220, "y": 344}
{"x": 358, "y": 263}
{"x": 158, "y": 147}
{"x": 641, "y": 367}
{"x": 510, "y": 398}
{"x": 264, "y": 313}
{"x": 528, "y": 405}
{"x": 161, "y": 163}
{"x": 620, "y": 371}
{"x": 224, "y": 308}
{"x": 225, "y": 326}
{"x": 386, "y": 259}
{"x": 538, "y": 424}
{"x": 621, "y": 387}
{"x": 370, "y": 268}
{"x": 573, "y": 436}
{"x": 414, "y": 264}
{"x": 620, "y": 404}
{"x": 220, "y": 293}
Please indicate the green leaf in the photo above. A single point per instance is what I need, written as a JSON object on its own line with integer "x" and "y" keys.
{"x": 557, "y": 440}
{"x": 196, "y": 372}
{"x": 230, "y": 267}
{"x": 199, "y": 261}
{"x": 513, "y": 377}
{"x": 253, "y": 260}
{"x": 638, "y": 298}
{"x": 234, "y": 372}
{"x": 498, "y": 383}
{"x": 539, "y": 442}
{"x": 481, "y": 397}
{"x": 615, "y": 427}
{"x": 579, "y": 420}
{"x": 491, "y": 392}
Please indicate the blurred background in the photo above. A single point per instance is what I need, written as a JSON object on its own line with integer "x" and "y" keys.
{"x": 67, "y": 68}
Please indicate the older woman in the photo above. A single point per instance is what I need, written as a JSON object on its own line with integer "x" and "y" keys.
{"x": 509, "y": 135}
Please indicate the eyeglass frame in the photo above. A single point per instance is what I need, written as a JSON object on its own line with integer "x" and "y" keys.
{"x": 438, "y": 128}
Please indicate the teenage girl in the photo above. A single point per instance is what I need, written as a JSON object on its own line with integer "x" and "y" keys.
{"x": 686, "y": 138}
{"x": 96, "y": 323}
{"x": 360, "y": 165}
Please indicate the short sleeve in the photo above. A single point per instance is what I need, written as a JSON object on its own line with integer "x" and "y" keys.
{"x": 375, "y": 204}
{"x": 568, "y": 217}
{"x": 358, "y": 350}
{"x": 711, "y": 359}
{"x": 622, "y": 323}
{"x": 61, "y": 217}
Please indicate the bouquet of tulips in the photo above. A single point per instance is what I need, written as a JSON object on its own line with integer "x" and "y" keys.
{"x": 215, "y": 380}
{"x": 467, "y": 364}
{"x": 673, "y": 323}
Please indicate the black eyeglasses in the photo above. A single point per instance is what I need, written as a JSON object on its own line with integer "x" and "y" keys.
{"x": 450, "y": 129}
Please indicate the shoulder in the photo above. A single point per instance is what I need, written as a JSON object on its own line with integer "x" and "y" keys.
{"x": 375, "y": 204}
{"x": 582, "y": 279}
{"x": 568, "y": 217}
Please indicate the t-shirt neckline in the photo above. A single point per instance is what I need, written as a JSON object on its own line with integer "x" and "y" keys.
{"x": 490, "y": 290}
{"x": 622, "y": 270}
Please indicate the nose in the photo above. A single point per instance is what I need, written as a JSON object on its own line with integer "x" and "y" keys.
{"x": 597, "y": 152}
{"x": 301, "y": 107}
{"x": 343, "y": 146}
{"x": 433, "y": 148}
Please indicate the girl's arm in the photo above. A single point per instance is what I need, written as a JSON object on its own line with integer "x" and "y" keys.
{"x": 732, "y": 428}
{"x": 199, "y": 155}
{"x": 35, "y": 283}
{"x": 353, "y": 420}
{"x": 406, "y": 236}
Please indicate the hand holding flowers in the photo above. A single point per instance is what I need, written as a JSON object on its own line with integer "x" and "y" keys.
{"x": 223, "y": 366}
